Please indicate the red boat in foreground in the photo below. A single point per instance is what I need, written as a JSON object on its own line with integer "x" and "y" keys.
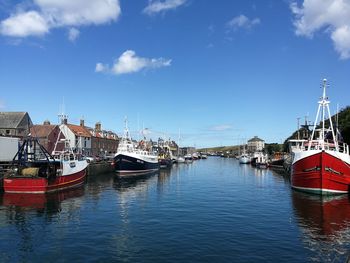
{"x": 321, "y": 164}
{"x": 36, "y": 171}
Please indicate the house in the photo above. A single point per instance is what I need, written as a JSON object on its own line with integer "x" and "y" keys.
{"x": 15, "y": 124}
{"x": 77, "y": 136}
{"x": 256, "y": 144}
{"x": 103, "y": 142}
{"x": 48, "y": 135}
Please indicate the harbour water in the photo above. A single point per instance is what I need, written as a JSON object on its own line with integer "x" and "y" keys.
{"x": 212, "y": 210}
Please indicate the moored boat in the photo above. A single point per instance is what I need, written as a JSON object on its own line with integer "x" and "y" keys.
{"x": 188, "y": 158}
{"x": 262, "y": 160}
{"x": 35, "y": 170}
{"x": 131, "y": 160}
{"x": 321, "y": 164}
{"x": 164, "y": 161}
{"x": 244, "y": 159}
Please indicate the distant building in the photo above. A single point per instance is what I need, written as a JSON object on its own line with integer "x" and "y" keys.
{"x": 15, "y": 124}
{"x": 255, "y": 144}
{"x": 187, "y": 150}
{"x": 102, "y": 142}
{"x": 47, "y": 136}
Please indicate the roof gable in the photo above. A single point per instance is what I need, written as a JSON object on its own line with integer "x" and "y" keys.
{"x": 12, "y": 120}
{"x": 42, "y": 130}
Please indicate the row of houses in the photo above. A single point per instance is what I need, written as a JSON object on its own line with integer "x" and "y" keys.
{"x": 90, "y": 141}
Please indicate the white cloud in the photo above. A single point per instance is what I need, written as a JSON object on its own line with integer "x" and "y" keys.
{"x": 24, "y": 24}
{"x": 331, "y": 16}
{"x": 242, "y": 21}
{"x": 101, "y": 67}
{"x": 128, "y": 62}
{"x": 73, "y": 34}
{"x": 59, "y": 13}
{"x": 156, "y": 6}
{"x": 341, "y": 39}
{"x": 79, "y": 12}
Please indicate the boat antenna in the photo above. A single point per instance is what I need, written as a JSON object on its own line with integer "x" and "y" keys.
{"x": 298, "y": 119}
{"x": 62, "y": 116}
{"x": 126, "y": 129}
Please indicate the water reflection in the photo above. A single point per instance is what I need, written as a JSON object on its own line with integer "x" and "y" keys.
{"x": 28, "y": 215}
{"x": 132, "y": 184}
{"x": 49, "y": 202}
{"x": 325, "y": 224}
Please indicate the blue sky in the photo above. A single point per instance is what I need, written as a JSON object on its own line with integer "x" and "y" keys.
{"x": 218, "y": 71}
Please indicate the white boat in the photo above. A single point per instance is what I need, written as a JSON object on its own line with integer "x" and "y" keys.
{"x": 244, "y": 159}
{"x": 180, "y": 159}
{"x": 131, "y": 160}
{"x": 261, "y": 160}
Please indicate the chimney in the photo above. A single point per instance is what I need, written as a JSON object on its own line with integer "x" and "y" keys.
{"x": 98, "y": 126}
{"x": 46, "y": 122}
{"x": 65, "y": 121}
{"x": 82, "y": 124}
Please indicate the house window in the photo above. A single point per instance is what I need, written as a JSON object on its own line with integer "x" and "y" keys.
{"x": 7, "y": 132}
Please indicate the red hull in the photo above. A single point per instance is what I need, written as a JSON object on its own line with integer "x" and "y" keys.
{"x": 41, "y": 201}
{"x": 43, "y": 185}
{"x": 321, "y": 173}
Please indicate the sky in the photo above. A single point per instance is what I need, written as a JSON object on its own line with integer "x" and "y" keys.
{"x": 215, "y": 72}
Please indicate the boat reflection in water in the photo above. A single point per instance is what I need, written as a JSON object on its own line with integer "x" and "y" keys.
{"x": 50, "y": 202}
{"x": 325, "y": 224}
{"x": 132, "y": 184}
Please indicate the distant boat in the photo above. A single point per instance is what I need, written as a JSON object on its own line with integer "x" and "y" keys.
{"x": 188, "y": 158}
{"x": 322, "y": 164}
{"x": 180, "y": 159}
{"x": 244, "y": 159}
{"x": 37, "y": 171}
{"x": 165, "y": 161}
{"x": 131, "y": 160}
{"x": 277, "y": 161}
{"x": 262, "y": 160}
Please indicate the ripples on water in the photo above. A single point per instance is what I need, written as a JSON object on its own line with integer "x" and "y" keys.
{"x": 213, "y": 210}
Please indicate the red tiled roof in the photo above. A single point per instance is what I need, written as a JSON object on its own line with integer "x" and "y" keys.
{"x": 79, "y": 130}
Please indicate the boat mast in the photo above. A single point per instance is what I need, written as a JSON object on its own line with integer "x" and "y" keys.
{"x": 326, "y": 102}
{"x": 324, "y": 105}
{"x": 126, "y": 130}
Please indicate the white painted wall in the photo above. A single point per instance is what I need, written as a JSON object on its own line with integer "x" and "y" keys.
{"x": 8, "y": 148}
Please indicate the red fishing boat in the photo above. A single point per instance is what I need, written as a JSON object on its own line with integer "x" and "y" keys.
{"x": 321, "y": 164}
{"x": 37, "y": 171}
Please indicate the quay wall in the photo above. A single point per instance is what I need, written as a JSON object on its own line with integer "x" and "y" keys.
{"x": 99, "y": 168}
